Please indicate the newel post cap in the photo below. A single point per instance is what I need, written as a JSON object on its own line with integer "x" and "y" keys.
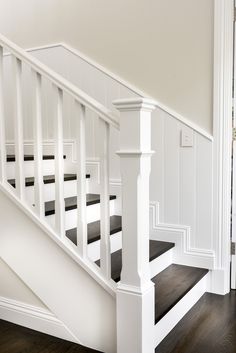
{"x": 135, "y": 104}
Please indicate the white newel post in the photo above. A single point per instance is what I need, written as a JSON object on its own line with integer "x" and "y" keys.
{"x": 135, "y": 293}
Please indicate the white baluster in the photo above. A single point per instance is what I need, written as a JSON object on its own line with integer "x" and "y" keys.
{"x": 2, "y": 124}
{"x": 135, "y": 292}
{"x": 19, "y": 139}
{"x": 38, "y": 144}
{"x": 59, "y": 164}
{"x": 82, "y": 239}
{"x": 105, "y": 257}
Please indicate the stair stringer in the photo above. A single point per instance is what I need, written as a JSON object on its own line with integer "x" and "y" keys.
{"x": 183, "y": 252}
{"x": 84, "y": 304}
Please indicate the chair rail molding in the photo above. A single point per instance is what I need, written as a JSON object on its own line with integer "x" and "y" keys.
{"x": 222, "y": 132}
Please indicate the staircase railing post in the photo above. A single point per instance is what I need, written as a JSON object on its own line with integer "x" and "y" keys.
{"x": 135, "y": 292}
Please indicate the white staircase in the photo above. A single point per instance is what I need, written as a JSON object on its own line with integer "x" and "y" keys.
{"x": 113, "y": 288}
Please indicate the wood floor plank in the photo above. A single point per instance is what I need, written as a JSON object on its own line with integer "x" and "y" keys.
{"x": 17, "y": 339}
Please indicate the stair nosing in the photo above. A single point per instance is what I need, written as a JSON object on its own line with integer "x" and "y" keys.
{"x": 114, "y": 230}
{"x": 67, "y": 177}
{"x": 74, "y": 206}
{"x": 27, "y": 158}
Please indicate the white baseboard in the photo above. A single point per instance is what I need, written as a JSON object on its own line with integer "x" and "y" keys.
{"x": 34, "y": 318}
{"x": 183, "y": 253}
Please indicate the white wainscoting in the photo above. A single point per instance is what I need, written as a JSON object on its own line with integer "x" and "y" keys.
{"x": 181, "y": 178}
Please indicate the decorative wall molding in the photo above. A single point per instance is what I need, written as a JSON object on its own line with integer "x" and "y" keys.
{"x": 222, "y": 132}
{"x": 35, "y": 318}
{"x": 180, "y": 234}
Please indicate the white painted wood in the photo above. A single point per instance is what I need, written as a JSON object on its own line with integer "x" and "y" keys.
{"x": 82, "y": 238}
{"x": 59, "y": 164}
{"x": 2, "y": 124}
{"x": 38, "y": 145}
{"x": 161, "y": 262}
{"x": 44, "y": 227}
{"x": 168, "y": 322}
{"x": 60, "y": 82}
{"x": 233, "y": 229}
{"x": 59, "y": 269}
{"x": 48, "y": 168}
{"x": 34, "y": 318}
{"x": 94, "y": 248}
{"x": 105, "y": 262}
{"x": 93, "y": 214}
{"x": 222, "y": 131}
{"x": 18, "y": 121}
{"x": 70, "y": 190}
{"x": 184, "y": 174}
{"x": 184, "y": 253}
{"x": 135, "y": 292}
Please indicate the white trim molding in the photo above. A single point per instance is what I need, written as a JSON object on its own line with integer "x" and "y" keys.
{"x": 184, "y": 253}
{"x": 222, "y": 132}
{"x": 34, "y": 318}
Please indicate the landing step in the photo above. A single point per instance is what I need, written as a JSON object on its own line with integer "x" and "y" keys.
{"x": 94, "y": 230}
{"x": 172, "y": 284}
{"x": 156, "y": 249}
{"x": 30, "y": 157}
{"x": 47, "y": 179}
{"x": 71, "y": 203}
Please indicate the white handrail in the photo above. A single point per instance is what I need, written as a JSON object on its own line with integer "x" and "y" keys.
{"x": 60, "y": 82}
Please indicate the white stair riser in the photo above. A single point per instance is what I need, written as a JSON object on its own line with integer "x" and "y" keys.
{"x": 94, "y": 248}
{"x": 93, "y": 214}
{"x": 48, "y": 168}
{"x": 171, "y": 319}
{"x": 161, "y": 263}
{"x": 70, "y": 189}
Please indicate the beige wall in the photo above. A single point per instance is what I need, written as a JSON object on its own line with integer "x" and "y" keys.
{"x": 164, "y": 47}
{"x": 30, "y": 22}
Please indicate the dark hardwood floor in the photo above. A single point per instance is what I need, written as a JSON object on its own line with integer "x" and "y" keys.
{"x": 209, "y": 327}
{"x": 17, "y": 339}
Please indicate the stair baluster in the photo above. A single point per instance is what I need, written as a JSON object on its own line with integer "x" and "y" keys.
{"x": 105, "y": 247}
{"x": 18, "y": 121}
{"x": 38, "y": 144}
{"x": 59, "y": 163}
{"x": 82, "y": 240}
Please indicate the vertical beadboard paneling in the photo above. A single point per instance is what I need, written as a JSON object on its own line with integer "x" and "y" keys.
{"x": 157, "y": 177}
{"x": 171, "y": 170}
{"x": 187, "y": 192}
{"x": 203, "y": 239}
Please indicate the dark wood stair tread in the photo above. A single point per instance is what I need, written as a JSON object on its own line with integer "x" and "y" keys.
{"x": 30, "y": 157}
{"x": 172, "y": 284}
{"x": 47, "y": 179}
{"x": 71, "y": 203}
{"x": 156, "y": 249}
{"x": 94, "y": 230}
